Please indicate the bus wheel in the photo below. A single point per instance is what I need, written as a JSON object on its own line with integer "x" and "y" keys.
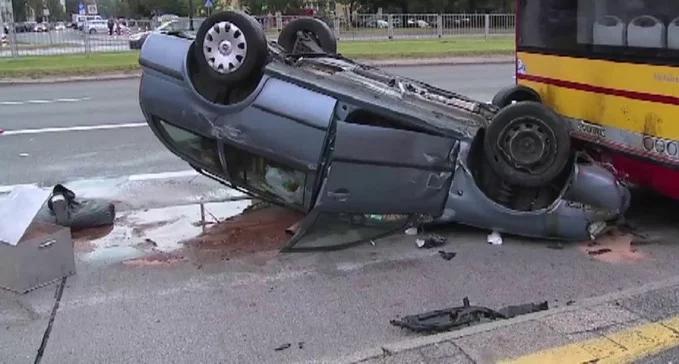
{"x": 513, "y": 94}
{"x": 527, "y": 144}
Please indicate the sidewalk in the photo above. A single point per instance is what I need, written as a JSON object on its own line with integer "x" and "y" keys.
{"x": 630, "y": 326}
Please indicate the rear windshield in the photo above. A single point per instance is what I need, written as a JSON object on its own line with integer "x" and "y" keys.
{"x": 637, "y": 30}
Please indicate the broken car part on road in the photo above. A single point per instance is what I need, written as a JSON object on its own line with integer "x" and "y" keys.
{"x": 463, "y": 316}
{"x": 363, "y": 153}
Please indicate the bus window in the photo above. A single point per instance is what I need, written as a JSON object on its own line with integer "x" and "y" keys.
{"x": 635, "y": 30}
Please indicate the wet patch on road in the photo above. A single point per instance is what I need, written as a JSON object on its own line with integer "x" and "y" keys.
{"x": 170, "y": 236}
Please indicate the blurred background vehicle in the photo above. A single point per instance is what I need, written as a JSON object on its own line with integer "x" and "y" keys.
{"x": 40, "y": 27}
{"x": 419, "y": 23}
{"x": 177, "y": 25}
{"x": 60, "y": 26}
{"x": 80, "y": 20}
{"x": 97, "y": 26}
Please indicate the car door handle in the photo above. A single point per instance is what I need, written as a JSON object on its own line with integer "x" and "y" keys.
{"x": 339, "y": 195}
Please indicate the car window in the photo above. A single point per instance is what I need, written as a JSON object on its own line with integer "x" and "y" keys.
{"x": 265, "y": 176}
{"x": 201, "y": 150}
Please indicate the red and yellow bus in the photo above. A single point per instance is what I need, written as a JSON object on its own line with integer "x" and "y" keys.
{"x": 611, "y": 69}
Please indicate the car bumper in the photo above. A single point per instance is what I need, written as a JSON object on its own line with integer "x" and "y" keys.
{"x": 591, "y": 200}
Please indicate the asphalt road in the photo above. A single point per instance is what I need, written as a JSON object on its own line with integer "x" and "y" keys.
{"x": 225, "y": 303}
{"x": 50, "y": 157}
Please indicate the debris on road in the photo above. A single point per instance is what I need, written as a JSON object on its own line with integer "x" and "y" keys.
{"x": 599, "y": 252}
{"x": 65, "y": 210}
{"x": 300, "y": 345}
{"x": 413, "y": 231}
{"x": 283, "y": 347}
{"x": 18, "y": 211}
{"x": 495, "y": 238}
{"x": 556, "y": 246}
{"x": 432, "y": 241}
{"x": 447, "y": 255}
{"x": 463, "y": 316}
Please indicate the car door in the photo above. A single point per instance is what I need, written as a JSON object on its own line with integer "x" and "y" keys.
{"x": 376, "y": 179}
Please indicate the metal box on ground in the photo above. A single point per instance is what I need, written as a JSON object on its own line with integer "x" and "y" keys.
{"x": 43, "y": 255}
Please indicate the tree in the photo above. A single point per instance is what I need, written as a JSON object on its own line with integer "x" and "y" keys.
{"x": 19, "y": 9}
{"x": 56, "y": 10}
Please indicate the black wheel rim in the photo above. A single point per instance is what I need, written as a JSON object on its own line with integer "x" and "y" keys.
{"x": 527, "y": 144}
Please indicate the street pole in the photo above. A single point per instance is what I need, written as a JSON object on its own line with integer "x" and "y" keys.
{"x": 191, "y": 15}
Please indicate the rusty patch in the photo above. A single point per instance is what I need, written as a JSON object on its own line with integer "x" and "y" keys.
{"x": 160, "y": 259}
{"x": 614, "y": 247}
{"x": 255, "y": 231}
{"x": 652, "y": 124}
{"x": 140, "y": 229}
{"x": 83, "y": 239}
{"x": 92, "y": 234}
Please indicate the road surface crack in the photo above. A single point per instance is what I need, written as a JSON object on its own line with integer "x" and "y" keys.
{"x": 48, "y": 330}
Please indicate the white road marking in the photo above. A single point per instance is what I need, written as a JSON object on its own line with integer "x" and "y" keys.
{"x": 131, "y": 178}
{"x": 72, "y": 128}
{"x": 9, "y": 188}
{"x": 40, "y": 101}
{"x": 164, "y": 175}
{"x": 68, "y": 100}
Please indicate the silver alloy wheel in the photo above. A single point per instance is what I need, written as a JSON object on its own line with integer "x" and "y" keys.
{"x": 225, "y": 47}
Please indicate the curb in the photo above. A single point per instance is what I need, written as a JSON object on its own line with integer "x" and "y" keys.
{"x": 37, "y": 81}
{"x": 420, "y": 341}
{"x": 448, "y": 61}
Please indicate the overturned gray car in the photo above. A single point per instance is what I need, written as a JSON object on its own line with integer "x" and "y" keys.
{"x": 360, "y": 151}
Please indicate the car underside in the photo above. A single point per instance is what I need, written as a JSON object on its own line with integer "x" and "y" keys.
{"x": 360, "y": 151}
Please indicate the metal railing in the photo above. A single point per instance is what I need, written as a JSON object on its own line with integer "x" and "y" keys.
{"x": 31, "y": 40}
{"x": 52, "y": 39}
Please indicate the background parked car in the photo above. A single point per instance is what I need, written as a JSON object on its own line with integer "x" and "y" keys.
{"x": 60, "y": 26}
{"x": 419, "y": 23}
{"x": 97, "y": 26}
{"x": 377, "y": 23}
{"x": 80, "y": 20}
{"x": 40, "y": 28}
{"x": 173, "y": 26}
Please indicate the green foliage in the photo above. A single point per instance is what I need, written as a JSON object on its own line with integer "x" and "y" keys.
{"x": 148, "y": 8}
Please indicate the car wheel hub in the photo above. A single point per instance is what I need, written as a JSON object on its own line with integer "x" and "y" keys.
{"x": 526, "y": 144}
{"x": 225, "y": 47}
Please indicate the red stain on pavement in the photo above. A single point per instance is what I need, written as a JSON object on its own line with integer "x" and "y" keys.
{"x": 614, "y": 247}
{"x": 156, "y": 260}
{"x": 256, "y": 231}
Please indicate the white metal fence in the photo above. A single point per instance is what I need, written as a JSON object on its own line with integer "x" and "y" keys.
{"x": 29, "y": 40}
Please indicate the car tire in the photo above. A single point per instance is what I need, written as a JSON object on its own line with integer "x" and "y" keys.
{"x": 513, "y": 94}
{"x": 231, "y": 47}
{"x": 527, "y": 144}
{"x": 319, "y": 29}
{"x": 93, "y": 31}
